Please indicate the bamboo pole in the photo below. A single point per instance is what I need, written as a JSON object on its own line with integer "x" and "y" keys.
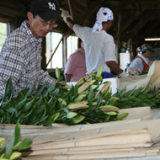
{"x": 70, "y": 8}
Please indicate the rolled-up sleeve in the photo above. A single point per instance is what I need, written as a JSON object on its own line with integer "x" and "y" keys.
{"x": 45, "y": 77}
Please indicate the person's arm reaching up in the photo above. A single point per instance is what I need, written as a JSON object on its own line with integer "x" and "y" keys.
{"x": 67, "y": 18}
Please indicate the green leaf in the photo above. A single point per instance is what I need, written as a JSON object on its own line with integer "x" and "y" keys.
{"x": 57, "y": 73}
{"x": 46, "y": 94}
{"x": 53, "y": 118}
{"x": 2, "y": 150}
{"x": 28, "y": 105}
{"x": 8, "y": 118}
{"x": 52, "y": 86}
{"x": 100, "y": 70}
{"x": 10, "y": 90}
{"x": 17, "y": 133}
{"x": 137, "y": 92}
{"x": 1, "y": 111}
{"x": 75, "y": 91}
{"x": 56, "y": 116}
{"x": 11, "y": 110}
{"x": 63, "y": 90}
{"x": 46, "y": 106}
{"x": 10, "y": 147}
{"x": 2, "y": 140}
{"x": 30, "y": 90}
{"x": 21, "y": 103}
{"x": 21, "y": 95}
{"x": 79, "y": 119}
{"x": 27, "y": 115}
{"x": 40, "y": 109}
{"x": 71, "y": 115}
{"x": 5, "y": 92}
{"x": 66, "y": 110}
{"x": 55, "y": 92}
{"x": 90, "y": 97}
{"x": 50, "y": 102}
{"x": 15, "y": 155}
{"x": 122, "y": 92}
{"x": 40, "y": 91}
{"x": 40, "y": 121}
{"x": 129, "y": 93}
{"x": 8, "y": 104}
{"x": 147, "y": 88}
{"x": 24, "y": 144}
{"x": 57, "y": 84}
{"x": 100, "y": 97}
{"x": 40, "y": 101}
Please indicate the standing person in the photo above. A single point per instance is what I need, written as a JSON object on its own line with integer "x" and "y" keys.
{"x": 76, "y": 64}
{"x": 98, "y": 44}
{"x": 21, "y": 53}
{"x": 141, "y": 61}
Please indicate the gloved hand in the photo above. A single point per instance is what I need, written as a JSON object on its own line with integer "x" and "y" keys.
{"x": 123, "y": 74}
{"x": 65, "y": 14}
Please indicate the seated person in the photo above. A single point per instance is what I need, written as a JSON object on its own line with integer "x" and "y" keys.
{"x": 141, "y": 61}
{"x": 76, "y": 65}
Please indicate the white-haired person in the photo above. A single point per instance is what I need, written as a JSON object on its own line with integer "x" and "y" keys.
{"x": 141, "y": 61}
{"x": 98, "y": 44}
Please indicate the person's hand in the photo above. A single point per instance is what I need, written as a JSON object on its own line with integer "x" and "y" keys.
{"x": 123, "y": 74}
{"x": 62, "y": 85}
{"x": 65, "y": 14}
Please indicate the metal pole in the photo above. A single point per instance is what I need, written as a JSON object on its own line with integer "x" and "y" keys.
{"x": 55, "y": 51}
{"x": 118, "y": 37}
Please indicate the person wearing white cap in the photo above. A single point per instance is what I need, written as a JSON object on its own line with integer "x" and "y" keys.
{"x": 141, "y": 61}
{"x": 98, "y": 44}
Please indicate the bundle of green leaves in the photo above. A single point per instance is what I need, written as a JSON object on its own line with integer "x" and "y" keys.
{"x": 80, "y": 104}
{"x": 139, "y": 97}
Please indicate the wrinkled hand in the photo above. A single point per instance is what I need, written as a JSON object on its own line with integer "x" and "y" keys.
{"x": 65, "y": 14}
{"x": 123, "y": 74}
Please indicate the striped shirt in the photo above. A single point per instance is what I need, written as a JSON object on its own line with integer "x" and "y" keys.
{"x": 21, "y": 59}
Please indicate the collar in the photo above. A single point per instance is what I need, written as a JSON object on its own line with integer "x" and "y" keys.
{"x": 29, "y": 33}
{"x": 145, "y": 59}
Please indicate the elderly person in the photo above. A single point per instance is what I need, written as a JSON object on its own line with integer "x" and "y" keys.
{"x": 98, "y": 44}
{"x": 141, "y": 61}
{"x": 21, "y": 53}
